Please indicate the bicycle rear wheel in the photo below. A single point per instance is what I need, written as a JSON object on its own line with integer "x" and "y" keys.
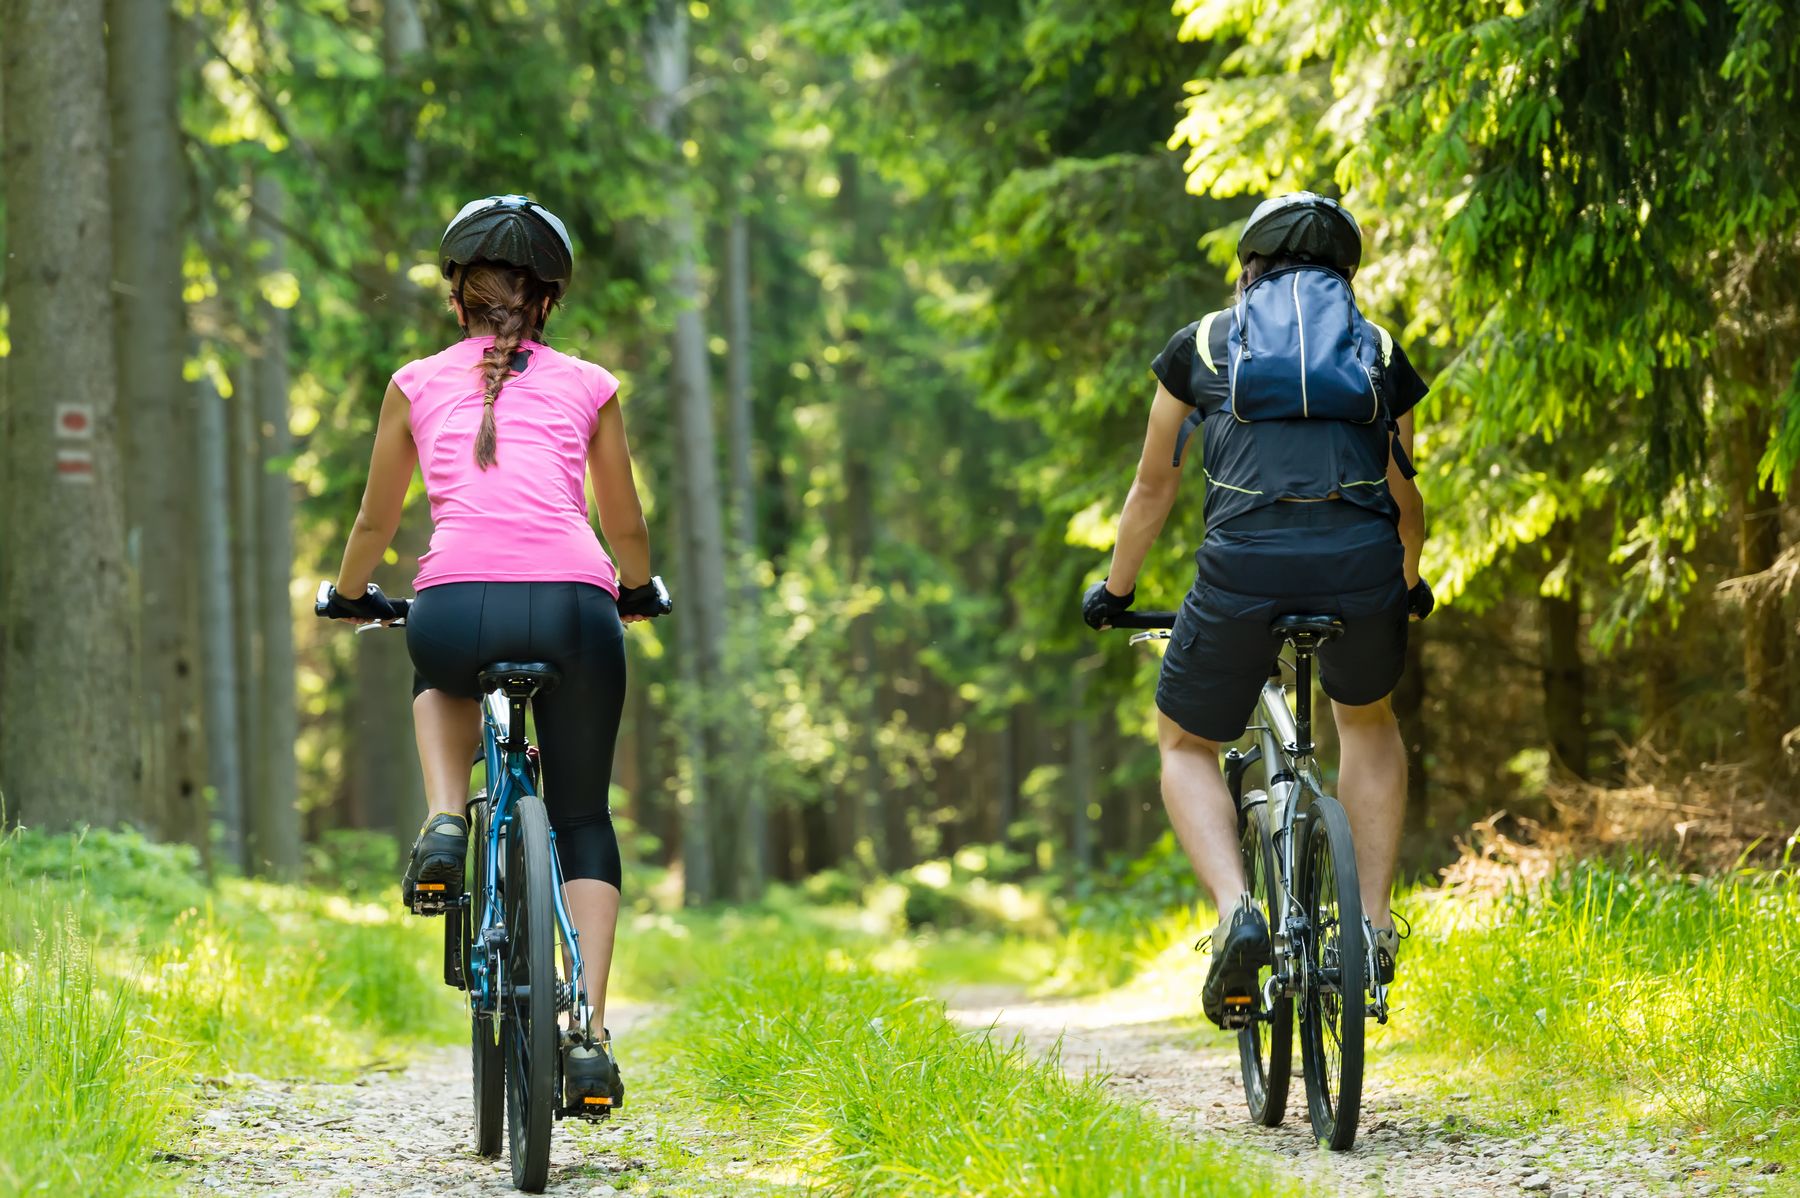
{"x": 484, "y": 1028}
{"x": 528, "y": 1028}
{"x": 1331, "y": 1007}
{"x": 1266, "y": 1047}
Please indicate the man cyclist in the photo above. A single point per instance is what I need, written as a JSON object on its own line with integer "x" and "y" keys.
{"x": 1303, "y": 515}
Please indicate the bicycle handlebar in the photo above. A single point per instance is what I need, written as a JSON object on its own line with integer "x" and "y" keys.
{"x": 1142, "y": 619}
{"x": 322, "y": 606}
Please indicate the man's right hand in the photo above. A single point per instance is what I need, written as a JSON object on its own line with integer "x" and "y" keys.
{"x": 1099, "y": 605}
{"x": 1419, "y": 600}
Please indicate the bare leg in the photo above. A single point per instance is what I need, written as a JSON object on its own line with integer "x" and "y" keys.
{"x": 447, "y": 729}
{"x": 1199, "y": 806}
{"x": 1372, "y": 787}
{"x": 594, "y": 909}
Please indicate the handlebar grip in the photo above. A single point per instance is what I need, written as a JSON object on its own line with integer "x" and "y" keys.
{"x": 402, "y": 606}
{"x": 1142, "y": 619}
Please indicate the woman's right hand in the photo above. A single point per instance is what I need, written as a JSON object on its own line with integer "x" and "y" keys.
{"x": 370, "y": 607}
{"x": 644, "y": 602}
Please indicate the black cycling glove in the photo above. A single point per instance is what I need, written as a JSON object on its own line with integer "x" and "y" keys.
{"x": 1099, "y": 605}
{"x": 651, "y": 599}
{"x": 370, "y": 605}
{"x": 1419, "y": 600}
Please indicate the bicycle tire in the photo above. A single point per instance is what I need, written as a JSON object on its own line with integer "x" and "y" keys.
{"x": 485, "y": 1058}
{"x": 528, "y": 1027}
{"x": 1332, "y": 994}
{"x": 1266, "y": 1047}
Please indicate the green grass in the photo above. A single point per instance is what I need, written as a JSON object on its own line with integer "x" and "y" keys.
{"x": 126, "y": 978}
{"x": 848, "y": 1077}
{"x": 1629, "y": 988}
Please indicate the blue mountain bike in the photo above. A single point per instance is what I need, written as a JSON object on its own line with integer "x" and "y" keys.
{"x": 501, "y": 933}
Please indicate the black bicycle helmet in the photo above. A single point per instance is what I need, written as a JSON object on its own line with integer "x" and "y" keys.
{"x": 511, "y": 229}
{"x": 1302, "y": 224}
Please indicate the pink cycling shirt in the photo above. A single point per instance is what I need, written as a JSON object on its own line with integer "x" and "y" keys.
{"x": 525, "y": 518}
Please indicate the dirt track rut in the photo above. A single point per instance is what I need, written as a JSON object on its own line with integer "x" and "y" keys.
{"x": 1409, "y": 1147}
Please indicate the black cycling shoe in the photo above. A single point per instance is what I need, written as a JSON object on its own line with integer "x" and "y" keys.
{"x": 435, "y": 874}
{"x": 1240, "y": 948}
{"x": 591, "y": 1082}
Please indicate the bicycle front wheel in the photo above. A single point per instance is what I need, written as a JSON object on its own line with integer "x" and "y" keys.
{"x": 1331, "y": 1007}
{"x": 528, "y": 1028}
{"x": 1266, "y": 1047}
{"x": 484, "y": 1040}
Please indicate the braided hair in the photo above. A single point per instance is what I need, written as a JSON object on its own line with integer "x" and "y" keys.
{"x": 508, "y": 302}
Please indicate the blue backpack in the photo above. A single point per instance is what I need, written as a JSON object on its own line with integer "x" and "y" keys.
{"x": 1299, "y": 349}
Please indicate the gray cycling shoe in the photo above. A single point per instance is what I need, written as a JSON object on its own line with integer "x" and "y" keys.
{"x": 435, "y": 873}
{"x": 591, "y": 1082}
{"x": 1240, "y": 947}
{"x": 1387, "y": 951}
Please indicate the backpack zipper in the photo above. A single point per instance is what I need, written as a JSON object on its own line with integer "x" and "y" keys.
{"x": 1300, "y": 323}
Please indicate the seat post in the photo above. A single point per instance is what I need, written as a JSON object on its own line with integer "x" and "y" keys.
{"x": 1303, "y": 700}
{"x": 515, "y": 724}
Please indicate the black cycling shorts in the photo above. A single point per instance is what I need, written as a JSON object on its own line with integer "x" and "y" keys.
{"x": 456, "y": 628}
{"x": 1328, "y": 558}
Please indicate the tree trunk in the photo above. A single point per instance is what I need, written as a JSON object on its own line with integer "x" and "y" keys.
{"x": 753, "y": 839}
{"x": 246, "y": 595}
{"x": 157, "y": 411}
{"x": 1766, "y": 632}
{"x": 1080, "y": 780}
{"x": 702, "y": 528}
{"x": 385, "y": 779}
{"x": 220, "y": 616}
{"x": 1565, "y": 676}
{"x": 274, "y": 816}
{"x": 65, "y": 611}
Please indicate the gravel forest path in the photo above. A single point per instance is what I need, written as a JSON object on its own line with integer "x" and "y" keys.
{"x": 396, "y": 1132}
{"x": 1410, "y": 1146}
{"x": 402, "y": 1131}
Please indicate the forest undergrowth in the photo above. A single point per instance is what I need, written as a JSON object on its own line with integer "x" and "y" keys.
{"x": 810, "y": 1031}
{"x": 132, "y": 986}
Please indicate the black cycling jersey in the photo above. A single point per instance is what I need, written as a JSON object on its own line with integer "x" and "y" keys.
{"x": 1249, "y": 465}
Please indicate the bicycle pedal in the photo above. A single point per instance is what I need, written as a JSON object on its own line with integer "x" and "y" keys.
{"x": 1240, "y": 1012}
{"x": 592, "y": 1106}
{"x": 435, "y": 898}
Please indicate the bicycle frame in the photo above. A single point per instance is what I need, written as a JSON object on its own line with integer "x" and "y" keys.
{"x": 511, "y": 770}
{"x": 1284, "y": 739}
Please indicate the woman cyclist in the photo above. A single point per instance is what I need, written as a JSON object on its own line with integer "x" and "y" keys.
{"x": 1304, "y": 514}
{"x": 504, "y": 427}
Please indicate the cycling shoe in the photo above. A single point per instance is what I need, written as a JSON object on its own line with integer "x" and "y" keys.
{"x": 591, "y": 1082}
{"x": 435, "y": 873}
{"x": 1240, "y": 948}
{"x": 1387, "y": 951}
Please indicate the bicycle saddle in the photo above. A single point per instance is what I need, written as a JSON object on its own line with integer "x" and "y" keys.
{"x": 1306, "y": 632}
{"x": 520, "y": 679}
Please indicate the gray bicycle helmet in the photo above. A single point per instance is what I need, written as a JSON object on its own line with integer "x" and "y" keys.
{"x": 512, "y": 229}
{"x": 1303, "y": 224}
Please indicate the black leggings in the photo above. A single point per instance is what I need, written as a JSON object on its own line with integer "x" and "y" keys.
{"x": 457, "y": 628}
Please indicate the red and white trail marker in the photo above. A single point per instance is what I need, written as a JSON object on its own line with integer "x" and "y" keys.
{"x": 75, "y": 465}
{"x": 75, "y": 421}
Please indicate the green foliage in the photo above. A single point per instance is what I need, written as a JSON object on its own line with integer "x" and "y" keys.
{"x": 861, "y": 1081}
{"x": 1626, "y": 980}
{"x": 127, "y": 977}
{"x": 85, "y": 1101}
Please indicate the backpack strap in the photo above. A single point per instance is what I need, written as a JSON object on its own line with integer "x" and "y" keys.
{"x": 1193, "y": 421}
{"x": 1203, "y": 349}
{"x": 1407, "y": 469}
